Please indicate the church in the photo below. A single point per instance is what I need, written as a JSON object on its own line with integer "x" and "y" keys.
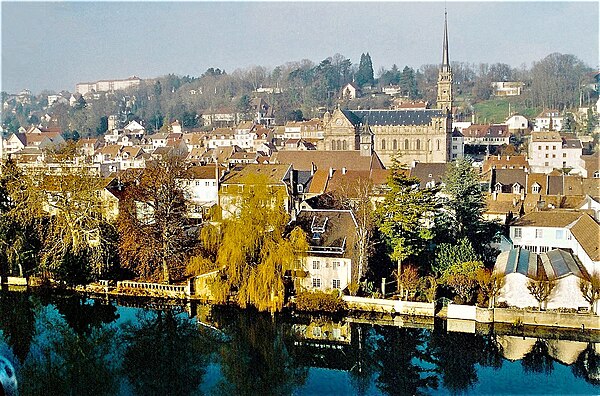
{"x": 422, "y": 135}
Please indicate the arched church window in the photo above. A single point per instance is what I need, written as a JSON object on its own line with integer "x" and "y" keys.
{"x": 418, "y": 144}
{"x": 383, "y": 144}
{"x": 345, "y": 145}
{"x": 395, "y": 144}
{"x": 405, "y": 144}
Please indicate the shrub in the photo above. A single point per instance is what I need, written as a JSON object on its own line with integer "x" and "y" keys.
{"x": 319, "y": 301}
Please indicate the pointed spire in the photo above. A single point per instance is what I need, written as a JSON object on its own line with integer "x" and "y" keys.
{"x": 445, "y": 58}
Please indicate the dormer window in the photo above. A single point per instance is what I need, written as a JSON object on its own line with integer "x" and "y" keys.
{"x": 516, "y": 188}
{"x": 318, "y": 225}
{"x": 597, "y": 174}
{"x": 498, "y": 188}
{"x": 535, "y": 189}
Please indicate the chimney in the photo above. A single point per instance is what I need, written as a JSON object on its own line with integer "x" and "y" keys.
{"x": 330, "y": 172}
{"x": 343, "y": 170}
{"x": 495, "y": 195}
{"x": 313, "y": 168}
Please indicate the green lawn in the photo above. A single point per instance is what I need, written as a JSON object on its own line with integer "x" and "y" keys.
{"x": 495, "y": 110}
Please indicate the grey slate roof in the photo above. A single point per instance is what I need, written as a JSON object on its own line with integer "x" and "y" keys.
{"x": 392, "y": 117}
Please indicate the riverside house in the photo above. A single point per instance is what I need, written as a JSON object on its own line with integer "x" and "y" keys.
{"x": 328, "y": 263}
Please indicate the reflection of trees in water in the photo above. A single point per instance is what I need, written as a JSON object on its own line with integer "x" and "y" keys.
{"x": 364, "y": 345}
{"x": 63, "y": 362}
{"x": 399, "y": 358}
{"x": 83, "y": 314}
{"x": 587, "y": 365}
{"x": 455, "y": 355}
{"x": 256, "y": 360}
{"x": 17, "y": 322}
{"x": 165, "y": 354}
{"x": 538, "y": 359}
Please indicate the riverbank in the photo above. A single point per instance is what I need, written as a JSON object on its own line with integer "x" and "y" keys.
{"x": 460, "y": 317}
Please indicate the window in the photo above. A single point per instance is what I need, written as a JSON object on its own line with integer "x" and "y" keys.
{"x": 336, "y": 264}
{"x": 560, "y": 234}
{"x": 383, "y": 144}
{"x": 316, "y": 265}
{"x": 518, "y": 232}
{"x": 418, "y": 144}
{"x": 316, "y": 331}
{"x": 539, "y": 233}
{"x": 405, "y": 144}
{"x": 564, "y": 155}
{"x": 553, "y": 147}
{"x": 395, "y": 144}
{"x": 300, "y": 188}
{"x": 345, "y": 145}
{"x": 336, "y": 284}
{"x": 316, "y": 282}
{"x": 597, "y": 175}
{"x": 438, "y": 144}
{"x": 543, "y": 249}
{"x": 454, "y": 148}
{"x": 207, "y": 184}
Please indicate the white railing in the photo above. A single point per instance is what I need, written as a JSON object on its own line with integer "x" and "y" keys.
{"x": 155, "y": 288}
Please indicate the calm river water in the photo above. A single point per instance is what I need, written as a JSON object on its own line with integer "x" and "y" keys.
{"x": 71, "y": 345}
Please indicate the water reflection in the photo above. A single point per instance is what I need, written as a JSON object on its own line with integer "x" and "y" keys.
{"x": 76, "y": 346}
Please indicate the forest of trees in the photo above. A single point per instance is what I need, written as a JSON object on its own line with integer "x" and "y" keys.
{"x": 559, "y": 81}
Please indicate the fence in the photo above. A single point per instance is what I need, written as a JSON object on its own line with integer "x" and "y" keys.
{"x": 156, "y": 288}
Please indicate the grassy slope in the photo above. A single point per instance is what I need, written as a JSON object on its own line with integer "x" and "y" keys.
{"x": 495, "y": 110}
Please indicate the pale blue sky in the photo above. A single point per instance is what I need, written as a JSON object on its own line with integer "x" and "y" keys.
{"x": 55, "y": 45}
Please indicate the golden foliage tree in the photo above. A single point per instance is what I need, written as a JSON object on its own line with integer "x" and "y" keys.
{"x": 254, "y": 249}
{"x": 152, "y": 220}
{"x": 70, "y": 214}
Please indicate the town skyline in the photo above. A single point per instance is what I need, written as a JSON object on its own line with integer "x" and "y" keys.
{"x": 190, "y": 37}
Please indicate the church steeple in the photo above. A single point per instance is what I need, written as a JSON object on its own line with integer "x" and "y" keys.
{"x": 444, "y": 86}
{"x": 445, "y": 59}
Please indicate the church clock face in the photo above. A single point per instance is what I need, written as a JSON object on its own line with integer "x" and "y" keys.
{"x": 338, "y": 121}
{"x": 366, "y": 147}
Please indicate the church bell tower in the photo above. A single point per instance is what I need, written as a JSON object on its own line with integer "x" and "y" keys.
{"x": 444, "y": 85}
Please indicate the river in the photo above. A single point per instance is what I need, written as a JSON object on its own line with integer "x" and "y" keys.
{"x": 73, "y": 345}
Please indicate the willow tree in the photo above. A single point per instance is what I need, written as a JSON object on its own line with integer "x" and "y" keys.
{"x": 255, "y": 249}
{"x": 405, "y": 218}
{"x": 70, "y": 215}
{"x": 152, "y": 220}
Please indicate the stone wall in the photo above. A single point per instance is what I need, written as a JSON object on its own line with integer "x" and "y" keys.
{"x": 545, "y": 318}
{"x": 389, "y": 306}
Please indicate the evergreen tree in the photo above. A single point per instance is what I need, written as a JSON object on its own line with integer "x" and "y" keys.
{"x": 364, "y": 75}
{"x": 466, "y": 205}
{"x": 408, "y": 82}
{"x": 405, "y": 218}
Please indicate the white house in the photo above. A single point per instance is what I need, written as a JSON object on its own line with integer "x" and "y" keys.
{"x": 201, "y": 189}
{"x": 540, "y": 232}
{"x": 458, "y": 145}
{"x": 516, "y": 123}
{"x": 548, "y": 150}
{"x": 548, "y": 120}
{"x": 328, "y": 262}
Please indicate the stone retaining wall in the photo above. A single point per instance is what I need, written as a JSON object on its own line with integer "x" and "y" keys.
{"x": 545, "y": 318}
{"x": 389, "y": 306}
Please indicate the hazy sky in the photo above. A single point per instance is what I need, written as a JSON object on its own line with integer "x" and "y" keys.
{"x": 54, "y": 45}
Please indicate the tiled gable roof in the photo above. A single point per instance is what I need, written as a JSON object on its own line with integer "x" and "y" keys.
{"x": 587, "y": 233}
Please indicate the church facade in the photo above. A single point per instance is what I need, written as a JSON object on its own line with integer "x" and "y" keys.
{"x": 423, "y": 135}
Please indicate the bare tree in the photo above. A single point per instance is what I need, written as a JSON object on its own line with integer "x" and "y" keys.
{"x": 355, "y": 195}
{"x": 590, "y": 288}
{"x": 541, "y": 288}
